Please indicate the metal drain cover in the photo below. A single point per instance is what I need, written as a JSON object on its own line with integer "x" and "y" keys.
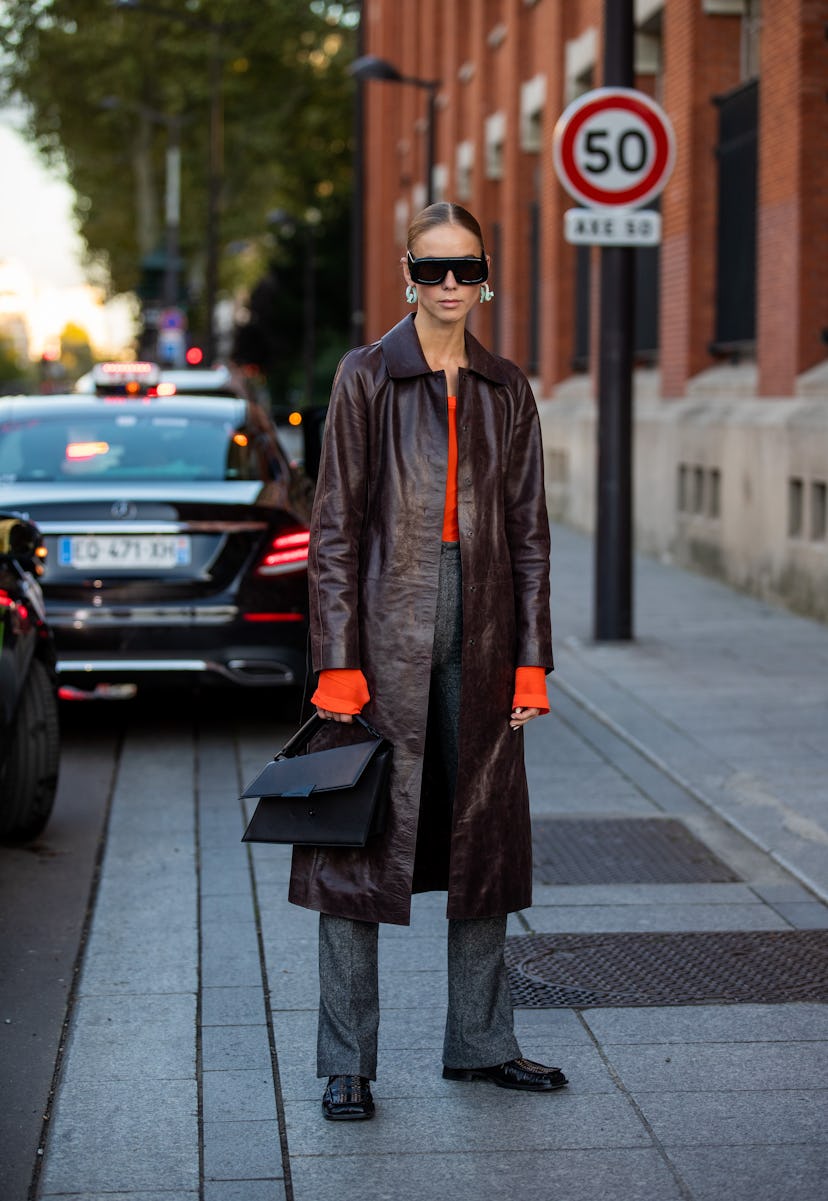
{"x": 578, "y": 971}
{"x": 636, "y": 850}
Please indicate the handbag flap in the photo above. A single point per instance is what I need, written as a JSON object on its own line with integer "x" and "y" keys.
{"x": 337, "y": 767}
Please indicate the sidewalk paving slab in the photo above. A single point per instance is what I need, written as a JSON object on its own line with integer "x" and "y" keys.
{"x": 619, "y": 1174}
{"x": 197, "y": 967}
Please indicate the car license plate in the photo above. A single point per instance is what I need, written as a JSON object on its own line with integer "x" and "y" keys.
{"x": 161, "y": 551}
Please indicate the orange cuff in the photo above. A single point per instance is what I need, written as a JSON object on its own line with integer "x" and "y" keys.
{"x": 341, "y": 690}
{"x": 530, "y": 689}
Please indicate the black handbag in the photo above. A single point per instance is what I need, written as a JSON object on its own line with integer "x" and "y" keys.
{"x": 335, "y": 797}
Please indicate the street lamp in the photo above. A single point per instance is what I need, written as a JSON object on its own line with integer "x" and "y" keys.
{"x": 368, "y": 66}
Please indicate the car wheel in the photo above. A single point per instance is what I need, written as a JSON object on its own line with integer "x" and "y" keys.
{"x": 28, "y": 781}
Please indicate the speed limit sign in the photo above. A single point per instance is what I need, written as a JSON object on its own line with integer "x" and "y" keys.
{"x": 614, "y": 148}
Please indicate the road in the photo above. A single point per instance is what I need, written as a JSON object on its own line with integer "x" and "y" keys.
{"x": 47, "y": 891}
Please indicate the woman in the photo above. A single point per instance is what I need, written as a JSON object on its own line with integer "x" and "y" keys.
{"x": 429, "y": 582}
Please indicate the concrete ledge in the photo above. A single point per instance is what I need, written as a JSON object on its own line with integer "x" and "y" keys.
{"x": 724, "y": 482}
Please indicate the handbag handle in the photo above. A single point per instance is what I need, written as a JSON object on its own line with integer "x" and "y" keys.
{"x": 312, "y": 726}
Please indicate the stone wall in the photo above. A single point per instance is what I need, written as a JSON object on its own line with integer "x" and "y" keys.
{"x": 725, "y": 482}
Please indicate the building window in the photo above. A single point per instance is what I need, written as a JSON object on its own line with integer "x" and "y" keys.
{"x": 751, "y": 39}
{"x": 645, "y": 10}
{"x": 580, "y": 56}
{"x": 440, "y": 181}
{"x": 714, "y": 498}
{"x": 735, "y": 328}
{"x": 495, "y": 140}
{"x": 723, "y": 8}
{"x": 465, "y": 167}
{"x": 497, "y": 35}
{"x": 819, "y": 516}
{"x": 649, "y": 49}
{"x": 402, "y": 218}
{"x": 796, "y": 497}
{"x": 532, "y": 100}
{"x": 682, "y": 489}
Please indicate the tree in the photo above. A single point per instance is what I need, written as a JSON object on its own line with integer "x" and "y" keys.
{"x": 75, "y": 352}
{"x": 286, "y": 102}
{"x": 11, "y": 371}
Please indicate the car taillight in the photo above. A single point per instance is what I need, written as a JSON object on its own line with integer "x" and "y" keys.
{"x": 260, "y": 617}
{"x": 288, "y": 552}
{"x": 8, "y": 602}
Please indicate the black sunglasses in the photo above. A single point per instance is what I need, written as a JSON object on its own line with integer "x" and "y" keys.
{"x": 466, "y": 271}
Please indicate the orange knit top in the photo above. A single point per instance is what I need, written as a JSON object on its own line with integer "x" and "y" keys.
{"x": 345, "y": 690}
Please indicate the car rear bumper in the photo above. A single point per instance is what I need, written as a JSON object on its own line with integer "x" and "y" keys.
{"x": 248, "y": 670}
{"x": 178, "y": 644}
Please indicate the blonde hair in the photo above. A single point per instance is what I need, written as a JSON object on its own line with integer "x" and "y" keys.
{"x": 443, "y": 213}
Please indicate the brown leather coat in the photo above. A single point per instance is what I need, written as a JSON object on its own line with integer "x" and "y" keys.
{"x": 373, "y": 568}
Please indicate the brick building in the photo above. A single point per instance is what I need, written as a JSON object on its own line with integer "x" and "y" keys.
{"x": 731, "y": 382}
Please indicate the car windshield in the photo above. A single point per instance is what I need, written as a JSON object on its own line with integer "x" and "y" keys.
{"x": 127, "y": 445}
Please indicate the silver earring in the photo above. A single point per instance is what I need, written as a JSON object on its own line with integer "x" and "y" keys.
{"x": 486, "y": 293}
{"x": 411, "y": 294}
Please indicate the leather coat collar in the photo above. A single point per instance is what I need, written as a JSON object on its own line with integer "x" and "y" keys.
{"x": 404, "y": 356}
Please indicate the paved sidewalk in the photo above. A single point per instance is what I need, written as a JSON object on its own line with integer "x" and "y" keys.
{"x": 728, "y": 695}
{"x": 189, "y": 1070}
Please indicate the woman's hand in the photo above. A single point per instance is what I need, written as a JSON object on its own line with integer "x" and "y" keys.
{"x": 521, "y": 716}
{"x": 328, "y": 715}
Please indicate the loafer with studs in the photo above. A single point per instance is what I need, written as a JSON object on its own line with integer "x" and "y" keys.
{"x": 522, "y": 1074}
{"x": 347, "y": 1099}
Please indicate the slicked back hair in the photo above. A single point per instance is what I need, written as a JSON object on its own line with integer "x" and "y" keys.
{"x": 443, "y": 213}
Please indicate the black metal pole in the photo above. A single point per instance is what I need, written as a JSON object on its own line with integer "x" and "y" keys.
{"x": 431, "y": 141}
{"x": 358, "y": 203}
{"x": 614, "y": 518}
{"x": 214, "y": 187}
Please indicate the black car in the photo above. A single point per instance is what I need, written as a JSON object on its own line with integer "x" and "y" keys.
{"x": 29, "y": 731}
{"x": 177, "y": 534}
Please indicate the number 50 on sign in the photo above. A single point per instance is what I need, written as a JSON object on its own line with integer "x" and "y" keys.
{"x": 613, "y": 148}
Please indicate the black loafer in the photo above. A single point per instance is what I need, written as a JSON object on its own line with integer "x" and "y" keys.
{"x": 347, "y": 1099}
{"x": 521, "y": 1074}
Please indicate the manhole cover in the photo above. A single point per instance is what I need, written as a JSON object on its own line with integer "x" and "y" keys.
{"x": 637, "y": 850}
{"x": 563, "y": 971}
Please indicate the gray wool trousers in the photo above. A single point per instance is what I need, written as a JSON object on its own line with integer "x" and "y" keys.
{"x": 479, "y": 1023}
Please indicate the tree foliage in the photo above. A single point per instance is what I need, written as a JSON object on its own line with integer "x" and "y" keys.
{"x": 11, "y": 369}
{"x": 75, "y": 352}
{"x": 99, "y": 77}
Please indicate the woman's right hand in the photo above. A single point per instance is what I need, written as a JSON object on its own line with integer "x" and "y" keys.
{"x": 328, "y": 715}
